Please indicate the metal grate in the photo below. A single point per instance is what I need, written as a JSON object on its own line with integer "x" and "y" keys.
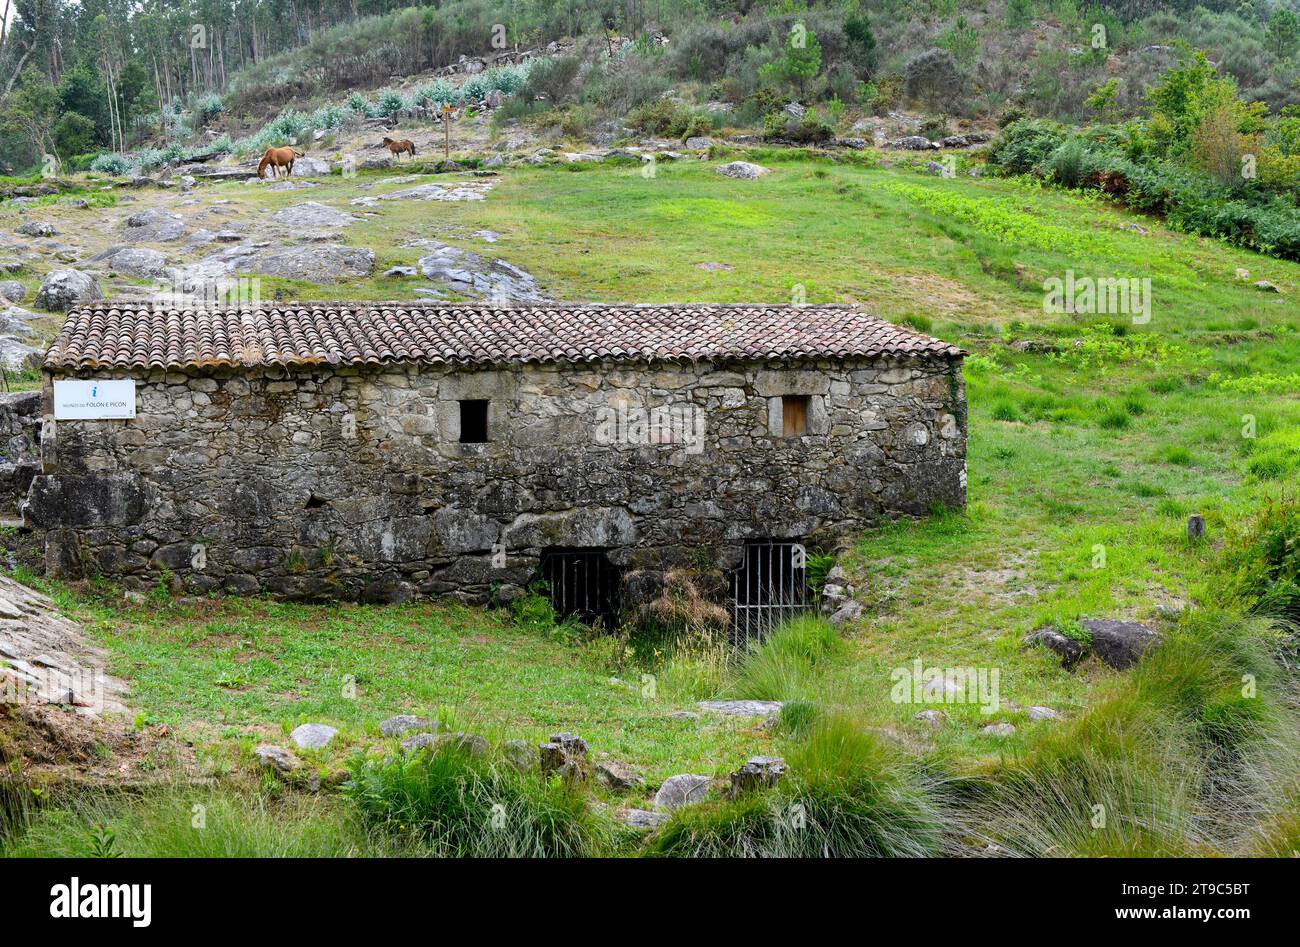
{"x": 582, "y": 582}
{"x": 769, "y": 587}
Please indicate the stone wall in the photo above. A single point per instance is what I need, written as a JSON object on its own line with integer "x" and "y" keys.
{"x": 352, "y": 482}
{"x": 20, "y": 431}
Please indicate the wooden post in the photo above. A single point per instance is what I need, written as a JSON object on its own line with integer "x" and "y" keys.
{"x": 446, "y": 131}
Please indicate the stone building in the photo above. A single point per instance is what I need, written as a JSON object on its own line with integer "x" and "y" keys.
{"x": 384, "y": 451}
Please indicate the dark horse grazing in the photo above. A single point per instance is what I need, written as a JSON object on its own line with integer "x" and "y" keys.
{"x": 278, "y": 158}
{"x": 398, "y": 148}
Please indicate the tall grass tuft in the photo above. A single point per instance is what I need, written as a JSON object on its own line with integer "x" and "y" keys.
{"x": 1172, "y": 759}
{"x": 785, "y": 664}
{"x": 181, "y": 823}
{"x": 849, "y": 795}
{"x": 463, "y": 805}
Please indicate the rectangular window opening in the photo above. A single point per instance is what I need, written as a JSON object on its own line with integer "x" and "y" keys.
{"x": 794, "y": 415}
{"x": 582, "y": 583}
{"x": 474, "y": 422}
{"x": 768, "y": 587}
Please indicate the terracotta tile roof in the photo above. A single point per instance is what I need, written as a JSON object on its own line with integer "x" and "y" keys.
{"x": 129, "y": 335}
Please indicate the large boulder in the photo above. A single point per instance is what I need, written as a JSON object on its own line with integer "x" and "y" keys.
{"x": 316, "y": 263}
{"x": 153, "y": 226}
{"x": 1119, "y": 643}
{"x": 311, "y": 166}
{"x": 472, "y": 275}
{"x": 743, "y": 170}
{"x": 141, "y": 262}
{"x": 564, "y": 755}
{"x": 12, "y": 291}
{"x": 36, "y": 228}
{"x": 62, "y": 289}
{"x": 742, "y": 708}
{"x": 683, "y": 790}
{"x": 312, "y": 214}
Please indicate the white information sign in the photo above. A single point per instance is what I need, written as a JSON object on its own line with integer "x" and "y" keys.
{"x": 96, "y": 399}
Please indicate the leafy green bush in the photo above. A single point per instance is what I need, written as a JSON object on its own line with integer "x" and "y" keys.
{"x": 1261, "y": 564}
{"x": 669, "y": 119}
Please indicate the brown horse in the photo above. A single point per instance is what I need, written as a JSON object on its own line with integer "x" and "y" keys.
{"x": 278, "y": 158}
{"x": 398, "y": 148}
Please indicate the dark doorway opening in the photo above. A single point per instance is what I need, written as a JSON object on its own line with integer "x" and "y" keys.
{"x": 583, "y": 583}
{"x": 770, "y": 586}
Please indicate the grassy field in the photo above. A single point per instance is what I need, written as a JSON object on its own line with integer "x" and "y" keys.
{"x": 1084, "y": 463}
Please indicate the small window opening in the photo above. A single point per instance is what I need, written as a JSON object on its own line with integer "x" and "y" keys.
{"x": 794, "y": 415}
{"x": 582, "y": 583}
{"x": 315, "y": 502}
{"x": 770, "y": 586}
{"x": 473, "y": 422}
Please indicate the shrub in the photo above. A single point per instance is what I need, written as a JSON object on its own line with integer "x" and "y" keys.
{"x": 210, "y": 106}
{"x": 389, "y": 102}
{"x": 553, "y": 79}
{"x": 467, "y": 806}
{"x": 932, "y": 76}
{"x": 668, "y": 118}
{"x": 114, "y": 164}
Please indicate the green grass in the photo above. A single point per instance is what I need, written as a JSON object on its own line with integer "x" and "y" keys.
{"x": 1083, "y": 464}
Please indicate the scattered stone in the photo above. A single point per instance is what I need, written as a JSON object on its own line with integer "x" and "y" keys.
{"x": 619, "y": 775}
{"x": 36, "y": 228}
{"x": 565, "y": 755}
{"x": 758, "y": 772}
{"x": 276, "y": 758}
{"x": 644, "y": 819}
{"x": 421, "y": 741}
{"x": 743, "y": 170}
{"x": 1264, "y": 286}
{"x": 850, "y": 611}
{"x": 698, "y": 142}
{"x": 312, "y": 736}
{"x": 405, "y": 723}
{"x": 742, "y": 708}
{"x": 998, "y": 730}
{"x": 1070, "y": 650}
{"x": 62, "y": 289}
{"x": 912, "y": 143}
{"x": 715, "y": 267}
{"x": 520, "y": 755}
{"x": 313, "y": 214}
{"x": 402, "y": 271}
{"x": 1242, "y": 274}
{"x": 934, "y": 718}
{"x": 682, "y": 790}
{"x": 1120, "y": 643}
{"x": 1043, "y": 713}
{"x": 1195, "y": 526}
{"x": 12, "y": 291}
{"x": 684, "y": 715}
{"x": 487, "y": 236}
